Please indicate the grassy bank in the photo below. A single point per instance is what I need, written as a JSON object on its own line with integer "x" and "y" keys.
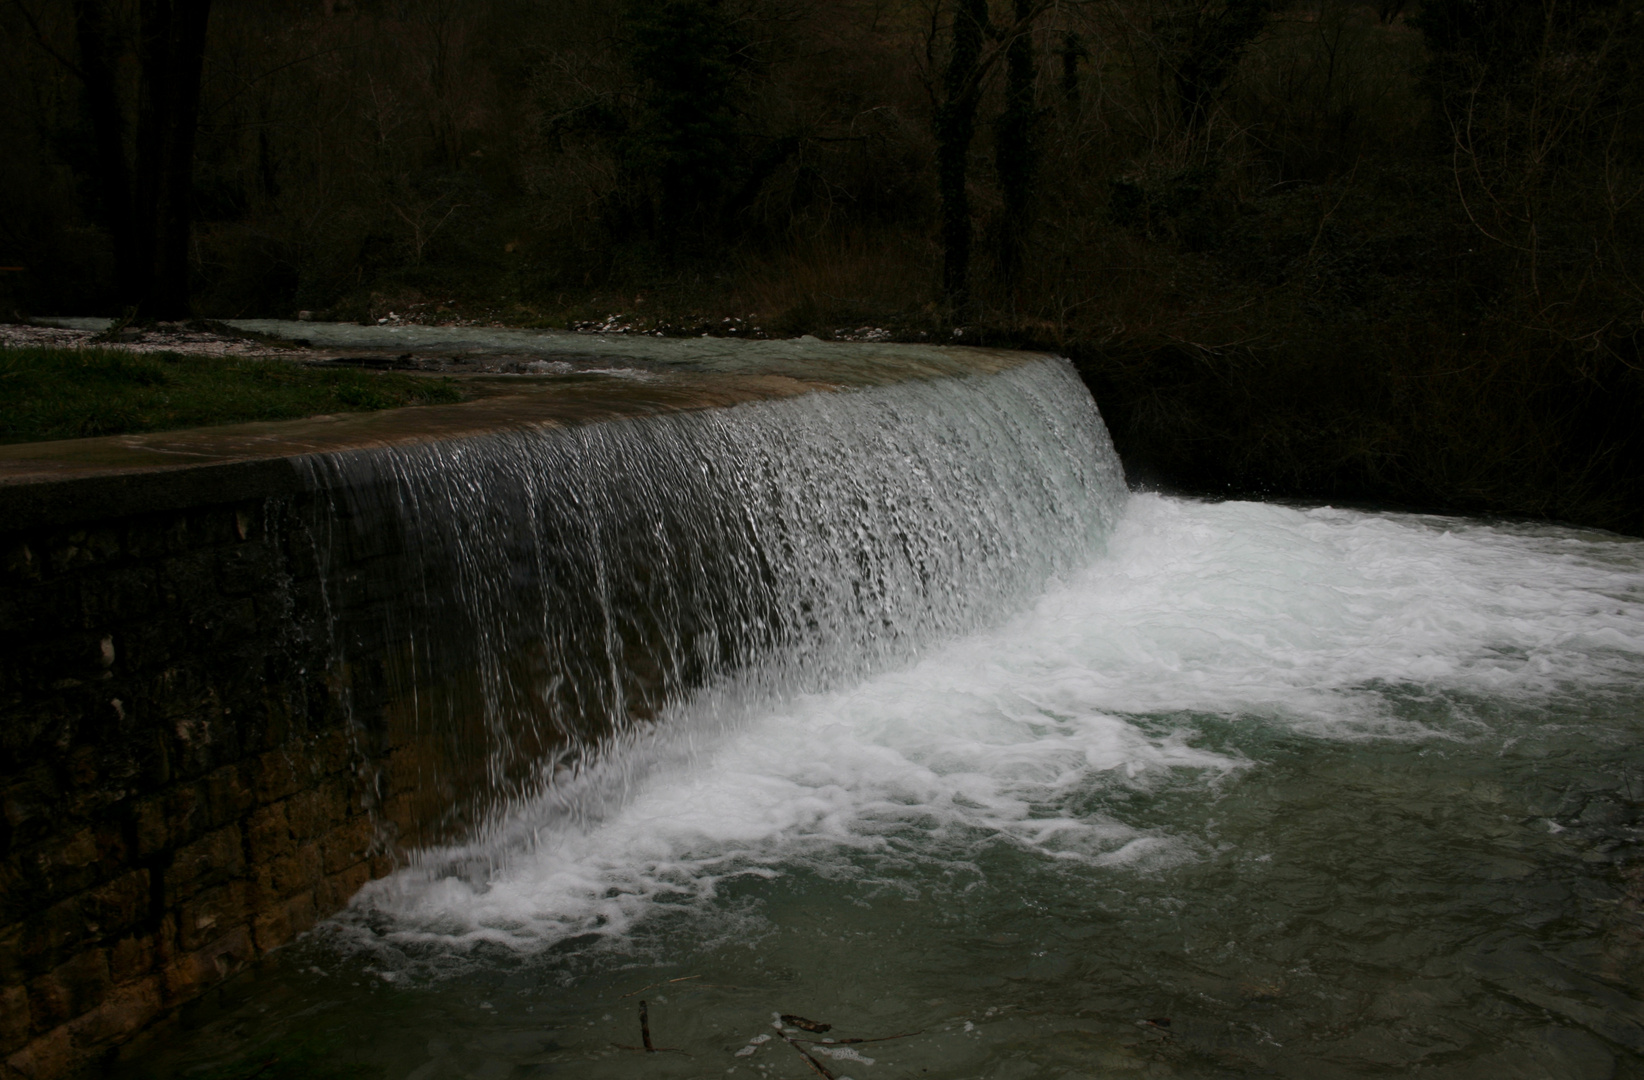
{"x": 76, "y": 393}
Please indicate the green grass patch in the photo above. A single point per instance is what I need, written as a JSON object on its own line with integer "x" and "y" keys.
{"x": 76, "y": 393}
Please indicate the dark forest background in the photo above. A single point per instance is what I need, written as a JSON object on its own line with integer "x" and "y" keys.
{"x": 1325, "y": 249}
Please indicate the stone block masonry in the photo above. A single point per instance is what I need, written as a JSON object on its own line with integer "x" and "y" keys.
{"x": 188, "y": 780}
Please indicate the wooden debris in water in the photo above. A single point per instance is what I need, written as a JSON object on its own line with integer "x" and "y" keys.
{"x": 805, "y": 1025}
{"x": 645, "y": 1036}
{"x": 669, "y": 982}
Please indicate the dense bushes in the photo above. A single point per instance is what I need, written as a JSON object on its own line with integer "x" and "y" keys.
{"x": 1324, "y": 249}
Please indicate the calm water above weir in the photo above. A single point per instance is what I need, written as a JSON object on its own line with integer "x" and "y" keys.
{"x": 1219, "y": 790}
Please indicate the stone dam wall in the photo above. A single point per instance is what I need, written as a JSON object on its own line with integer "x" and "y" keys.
{"x": 189, "y": 781}
{"x": 205, "y": 739}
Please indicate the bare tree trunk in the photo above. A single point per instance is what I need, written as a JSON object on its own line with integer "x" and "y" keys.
{"x": 108, "y": 125}
{"x": 1073, "y": 50}
{"x": 955, "y": 128}
{"x": 172, "y": 55}
{"x": 1014, "y": 155}
{"x": 149, "y": 207}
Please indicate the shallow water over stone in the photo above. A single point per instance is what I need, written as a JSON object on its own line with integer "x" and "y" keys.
{"x": 1333, "y": 793}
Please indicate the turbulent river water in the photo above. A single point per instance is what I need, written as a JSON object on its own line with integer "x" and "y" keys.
{"x": 1239, "y": 789}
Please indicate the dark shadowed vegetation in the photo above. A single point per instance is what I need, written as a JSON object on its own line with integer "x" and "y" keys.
{"x": 1327, "y": 249}
{"x": 78, "y": 393}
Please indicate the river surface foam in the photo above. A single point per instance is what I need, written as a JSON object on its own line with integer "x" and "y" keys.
{"x": 1332, "y": 624}
{"x": 1246, "y": 789}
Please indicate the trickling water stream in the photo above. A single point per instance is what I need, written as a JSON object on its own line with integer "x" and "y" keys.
{"x": 582, "y": 582}
{"x": 953, "y": 738}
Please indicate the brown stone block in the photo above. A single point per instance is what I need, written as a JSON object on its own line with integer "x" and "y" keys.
{"x": 271, "y": 929}
{"x": 318, "y": 811}
{"x": 80, "y": 548}
{"x": 268, "y": 834}
{"x": 270, "y": 718}
{"x": 301, "y": 913}
{"x": 234, "y": 622}
{"x": 131, "y": 957}
{"x": 214, "y": 858}
{"x": 18, "y": 561}
{"x": 194, "y": 971}
{"x": 245, "y": 568}
{"x": 154, "y": 751}
{"x": 299, "y": 871}
{"x": 117, "y": 906}
{"x": 404, "y": 769}
{"x": 262, "y": 895}
{"x": 165, "y": 940}
{"x": 189, "y": 581}
{"x": 151, "y": 537}
{"x": 105, "y": 772}
{"x": 49, "y": 613}
{"x": 29, "y": 802}
{"x": 399, "y": 812}
{"x": 38, "y": 725}
{"x": 334, "y": 801}
{"x": 13, "y": 969}
{"x": 122, "y": 595}
{"x": 49, "y": 1057}
{"x": 200, "y": 730}
{"x": 168, "y": 819}
{"x": 228, "y": 796}
{"x": 304, "y": 813}
{"x": 69, "y": 989}
{"x": 113, "y": 852}
{"x": 17, "y": 893}
{"x": 15, "y": 1022}
{"x": 277, "y": 879}
{"x": 152, "y": 825}
{"x": 127, "y": 1011}
{"x": 348, "y": 844}
{"x": 49, "y": 938}
{"x": 56, "y": 868}
{"x": 275, "y": 776}
{"x": 211, "y": 914}
{"x": 76, "y": 852}
{"x": 333, "y": 752}
{"x": 340, "y": 888}
{"x": 287, "y": 919}
{"x": 214, "y": 527}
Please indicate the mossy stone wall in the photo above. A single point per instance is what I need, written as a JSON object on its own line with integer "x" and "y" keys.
{"x": 188, "y": 776}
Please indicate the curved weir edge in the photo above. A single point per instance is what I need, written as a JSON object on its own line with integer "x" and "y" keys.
{"x": 223, "y": 716}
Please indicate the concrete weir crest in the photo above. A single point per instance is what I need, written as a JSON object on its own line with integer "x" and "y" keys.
{"x": 250, "y": 668}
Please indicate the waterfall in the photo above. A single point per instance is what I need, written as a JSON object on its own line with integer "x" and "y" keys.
{"x": 558, "y": 589}
{"x": 887, "y": 706}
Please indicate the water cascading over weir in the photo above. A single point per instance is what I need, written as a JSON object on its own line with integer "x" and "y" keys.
{"x": 254, "y": 667}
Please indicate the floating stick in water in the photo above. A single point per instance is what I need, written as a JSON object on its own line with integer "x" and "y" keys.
{"x": 670, "y": 982}
{"x": 820, "y": 1069}
{"x": 853, "y": 1042}
{"x": 645, "y": 1036}
{"x": 807, "y": 1025}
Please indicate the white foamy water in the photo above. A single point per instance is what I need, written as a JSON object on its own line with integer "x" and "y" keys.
{"x": 1322, "y": 624}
